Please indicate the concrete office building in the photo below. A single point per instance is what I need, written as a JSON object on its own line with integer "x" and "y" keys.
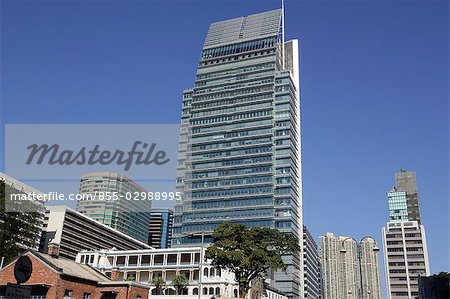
{"x": 239, "y": 151}
{"x": 13, "y": 187}
{"x": 121, "y": 211}
{"x": 350, "y": 269}
{"x": 404, "y": 239}
{"x": 74, "y": 232}
{"x": 311, "y": 267}
{"x": 160, "y": 231}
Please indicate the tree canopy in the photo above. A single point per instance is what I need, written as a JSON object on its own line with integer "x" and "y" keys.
{"x": 18, "y": 226}
{"x": 180, "y": 282}
{"x": 249, "y": 252}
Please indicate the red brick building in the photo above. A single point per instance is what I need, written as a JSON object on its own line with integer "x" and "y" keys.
{"x": 55, "y": 277}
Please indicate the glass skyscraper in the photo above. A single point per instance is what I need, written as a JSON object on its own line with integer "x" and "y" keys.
{"x": 131, "y": 217}
{"x": 239, "y": 153}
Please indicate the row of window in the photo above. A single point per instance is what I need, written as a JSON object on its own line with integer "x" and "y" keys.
{"x": 223, "y": 215}
{"x": 247, "y": 151}
{"x": 231, "y": 135}
{"x": 198, "y": 227}
{"x": 232, "y": 162}
{"x": 232, "y": 109}
{"x": 229, "y": 94}
{"x": 221, "y": 127}
{"x": 239, "y": 48}
{"x": 231, "y": 182}
{"x": 236, "y": 70}
{"x": 231, "y": 117}
{"x": 229, "y": 102}
{"x": 234, "y": 86}
{"x": 231, "y": 143}
{"x": 213, "y": 174}
{"x": 237, "y": 77}
{"x": 232, "y": 192}
{"x": 239, "y": 202}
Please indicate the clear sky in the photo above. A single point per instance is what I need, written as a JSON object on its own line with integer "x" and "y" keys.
{"x": 374, "y": 89}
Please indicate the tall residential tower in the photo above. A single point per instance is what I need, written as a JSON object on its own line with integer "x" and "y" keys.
{"x": 239, "y": 152}
{"x": 350, "y": 269}
{"x": 404, "y": 241}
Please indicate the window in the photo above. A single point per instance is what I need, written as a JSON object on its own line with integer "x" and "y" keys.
{"x": 68, "y": 294}
{"x": 87, "y": 296}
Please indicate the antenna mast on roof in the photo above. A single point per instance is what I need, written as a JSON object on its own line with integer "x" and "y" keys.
{"x": 282, "y": 34}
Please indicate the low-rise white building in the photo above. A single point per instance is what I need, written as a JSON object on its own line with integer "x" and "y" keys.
{"x": 146, "y": 264}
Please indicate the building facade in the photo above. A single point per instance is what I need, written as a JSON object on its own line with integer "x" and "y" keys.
{"x": 160, "y": 230}
{"x": 56, "y": 277}
{"x": 109, "y": 199}
{"x": 350, "y": 269}
{"x": 239, "y": 151}
{"x": 311, "y": 267}
{"x": 404, "y": 239}
{"x": 74, "y": 232}
{"x": 145, "y": 265}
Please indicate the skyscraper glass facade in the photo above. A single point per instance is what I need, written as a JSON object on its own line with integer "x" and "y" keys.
{"x": 398, "y": 211}
{"x": 239, "y": 152}
{"x": 131, "y": 217}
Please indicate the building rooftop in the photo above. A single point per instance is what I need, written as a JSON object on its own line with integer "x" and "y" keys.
{"x": 259, "y": 25}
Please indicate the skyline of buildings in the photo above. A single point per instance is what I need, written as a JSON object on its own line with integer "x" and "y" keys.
{"x": 239, "y": 148}
{"x": 350, "y": 268}
{"x": 404, "y": 239}
{"x": 131, "y": 217}
{"x": 240, "y": 142}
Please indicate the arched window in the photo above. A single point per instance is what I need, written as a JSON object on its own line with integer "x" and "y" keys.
{"x": 211, "y": 272}
{"x": 218, "y": 291}
{"x": 195, "y": 291}
{"x": 235, "y": 293}
{"x": 218, "y": 272}
{"x": 205, "y": 291}
{"x": 205, "y": 272}
{"x": 211, "y": 291}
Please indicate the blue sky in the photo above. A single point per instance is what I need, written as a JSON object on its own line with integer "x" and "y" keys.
{"x": 374, "y": 89}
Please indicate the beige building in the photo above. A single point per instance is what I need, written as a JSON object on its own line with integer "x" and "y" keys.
{"x": 404, "y": 240}
{"x": 350, "y": 269}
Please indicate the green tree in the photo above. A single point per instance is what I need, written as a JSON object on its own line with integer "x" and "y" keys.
{"x": 250, "y": 252}
{"x": 18, "y": 223}
{"x": 159, "y": 283}
{"x": 180, "y": 282}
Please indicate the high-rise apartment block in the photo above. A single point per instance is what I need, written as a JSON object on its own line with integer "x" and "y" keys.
{"x": 111, "y": 198}
{"x": 404, "y": 240}
{"x": 239, "y": 151}
{"x": 160, "y": 231}
{"x": 311, "y": 267}
{"x": 350, "y": 269}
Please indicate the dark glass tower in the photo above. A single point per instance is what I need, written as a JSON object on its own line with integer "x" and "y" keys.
{"x": 239, "y": 152}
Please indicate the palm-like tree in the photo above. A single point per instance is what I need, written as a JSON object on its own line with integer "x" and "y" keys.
{"x": 180, "y": 282}
{"x": 159, "y": 283}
